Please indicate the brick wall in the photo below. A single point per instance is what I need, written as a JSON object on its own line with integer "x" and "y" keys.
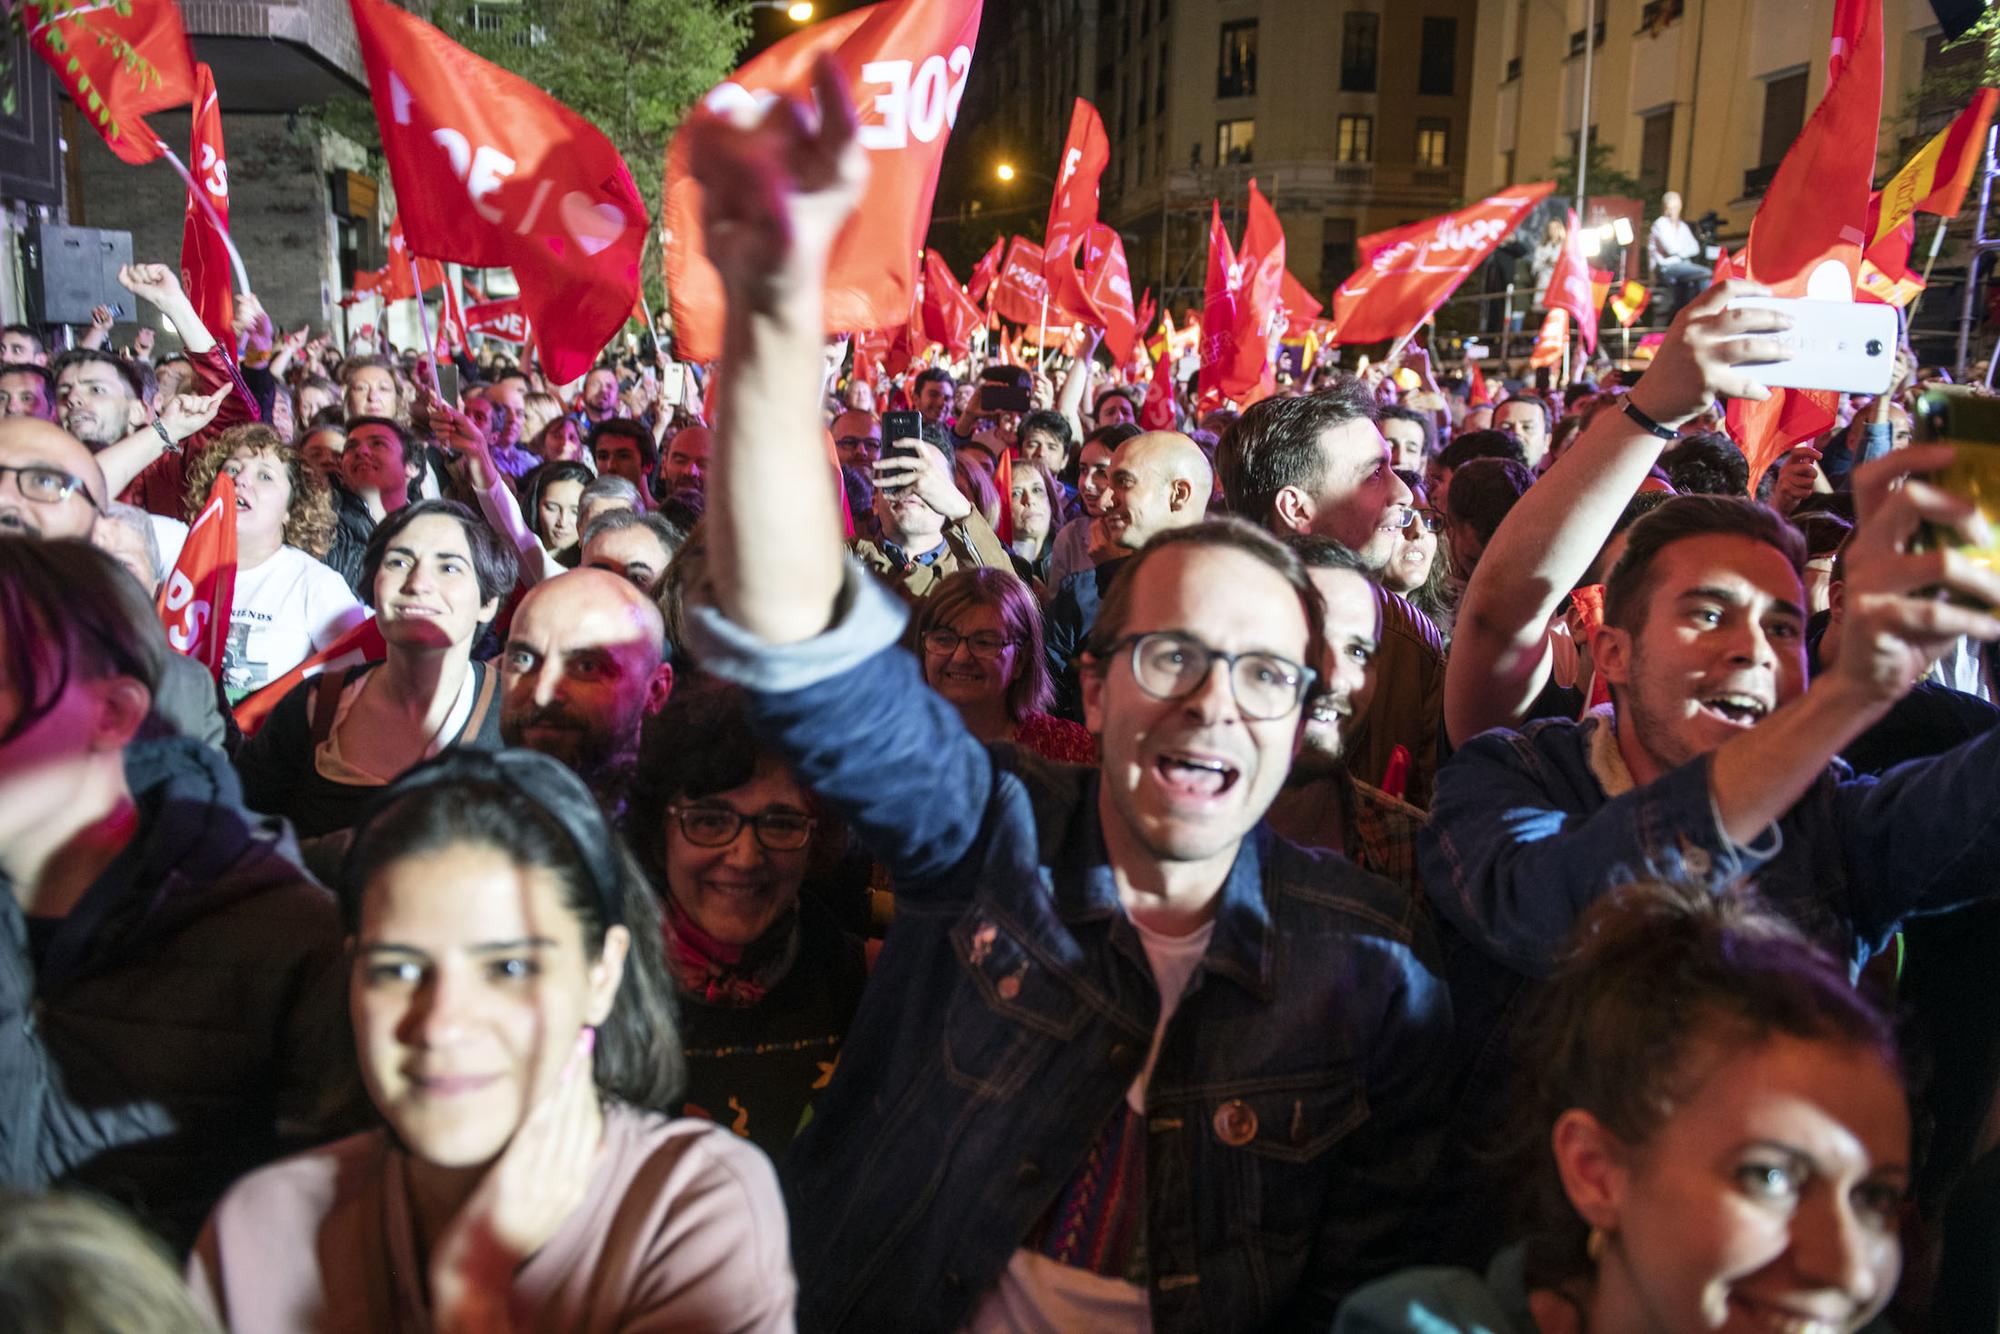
{"x": 278, "y": 209}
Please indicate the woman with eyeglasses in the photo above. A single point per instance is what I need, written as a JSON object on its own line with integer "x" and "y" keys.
{"x": 980, "y": 639}
{"x": 1420, "y": 566}
{"x": 767, "y": 979}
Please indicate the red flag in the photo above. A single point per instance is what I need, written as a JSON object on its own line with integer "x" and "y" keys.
{"x": 493, "y": 171}
{"x": 196, "y": 600}
{"x": 1108, "y": 284}
{"x": 1072, "y": 211}
{"x": 949, "y": 315}
{"x": 1552, "y": 340}
{"x": 363, "y": 643}
{"x": 1936, "y": 179}
{"x": 1569, "y": 285}
{"x": 1020, "y": 290}
{"x": 1218, "y": 310}
{"x": 205, "y": 269}
{"x": 1147, "y": 311}
{"x": 1847, "y": 34}
{"x": 1407, "y": 273}
{"x": 1301, "y": 307}
{"x": 451, "y": 331}
{"x": 1807, "y": 237}
{"x": 906, "y": 61}
{"x": 504, "y": 320}
{"x": 1157, "y": 412}
{"x": 1003, "y": 482}
{"x": 986, "y": 270}
{"x": 1259, "y": 294}
{"x": 1886, "y": 278}
{"x": 119, "y": 60}
{"x": 1476, "y": 393}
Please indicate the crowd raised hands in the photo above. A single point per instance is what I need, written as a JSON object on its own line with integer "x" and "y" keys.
{"x": 688, "y": 849}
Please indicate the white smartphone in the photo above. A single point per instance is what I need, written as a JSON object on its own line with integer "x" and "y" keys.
{"x": 1842, "y": 345}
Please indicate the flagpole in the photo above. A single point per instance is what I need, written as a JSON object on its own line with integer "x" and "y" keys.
{"x": 200, "y": 196}
{"x": 1937, "y": 243}
{"x": 1042, "y": 332}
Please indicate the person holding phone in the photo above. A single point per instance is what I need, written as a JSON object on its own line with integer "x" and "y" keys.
{"x": 929, "y": 529}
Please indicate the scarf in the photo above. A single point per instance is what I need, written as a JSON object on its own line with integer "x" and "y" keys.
{"x": 716, "y": 973}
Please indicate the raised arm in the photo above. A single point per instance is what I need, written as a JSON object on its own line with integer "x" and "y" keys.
{"x": 775, "y": 195}
{"x": 1076, "y": 385}
{"x": 1500, "y": 651}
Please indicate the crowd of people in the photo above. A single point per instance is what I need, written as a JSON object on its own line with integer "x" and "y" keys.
{"x": 815, "y": 847}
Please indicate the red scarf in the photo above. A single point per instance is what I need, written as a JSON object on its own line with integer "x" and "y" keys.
{"x": 717, "y": 973}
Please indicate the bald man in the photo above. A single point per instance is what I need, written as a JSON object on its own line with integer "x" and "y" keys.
{"x": 1158, "y": 481}
{"x": 686, "y": 459}
{"x": 583, "y": 669}
{"x": 50, "y": 485}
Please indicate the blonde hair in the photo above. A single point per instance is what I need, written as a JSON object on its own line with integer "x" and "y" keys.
{"x": 70, "y": 1265}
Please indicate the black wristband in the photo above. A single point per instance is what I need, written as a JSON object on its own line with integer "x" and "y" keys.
{"x": 1652, "y": 427}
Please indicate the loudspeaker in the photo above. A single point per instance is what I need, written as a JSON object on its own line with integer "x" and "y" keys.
{"x": 71, "y": 270}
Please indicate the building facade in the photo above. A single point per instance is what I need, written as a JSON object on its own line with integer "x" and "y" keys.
{"x": 1352, "y": 117}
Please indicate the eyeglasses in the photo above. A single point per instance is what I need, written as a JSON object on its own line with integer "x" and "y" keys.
{"x": 868, "y": 443}
{"x": 1430, "y": 519}
{"x": 1173, "y": 666}
{"x": 47, "y": 486}
{"x": 718, "y": 827}
{"x": 985, "y": 645}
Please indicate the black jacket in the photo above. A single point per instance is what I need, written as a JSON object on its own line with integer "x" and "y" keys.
{"x": 186, "y": 1021}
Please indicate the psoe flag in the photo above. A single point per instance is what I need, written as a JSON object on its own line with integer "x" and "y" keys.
{"x": 1407, "y": 273}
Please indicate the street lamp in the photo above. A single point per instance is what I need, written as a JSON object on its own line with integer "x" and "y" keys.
{"x": 1005, "y": 171}
{"x": 798, "y": 11}
{"x": 1008, "y": 172}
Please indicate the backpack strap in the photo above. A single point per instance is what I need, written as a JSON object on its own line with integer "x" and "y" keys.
{"x": 325, "y": 704}
{"x": 489, "y": 681}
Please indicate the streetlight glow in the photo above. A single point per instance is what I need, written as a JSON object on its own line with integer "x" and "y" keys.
{"x": 801, "y": 12}
{"x": 1005, "y": 171}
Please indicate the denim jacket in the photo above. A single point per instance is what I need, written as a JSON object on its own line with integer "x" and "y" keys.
{"x": 1295, "y": 1106}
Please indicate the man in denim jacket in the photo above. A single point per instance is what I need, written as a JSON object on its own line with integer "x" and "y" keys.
{"x": 1715, "y": 761}
{"x": 1028, "y": 1123}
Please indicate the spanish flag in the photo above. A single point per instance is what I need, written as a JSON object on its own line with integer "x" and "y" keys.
{"x": 1628, "y": 301}
{"x": 1936, "y": 179}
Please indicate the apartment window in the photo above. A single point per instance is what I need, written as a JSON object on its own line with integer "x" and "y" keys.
{"x": 1941, "y": 101}
{"x": 1433, "y": 143}
{"x": 1437, "y": 60}
{"x": 1354, "y": 139}
{"x": 1656, "y": 144}
{"x": 1358, "y": 39}
{"x": 1784, "y": 116}
{"x": 1233, "y": 141}
{"x": 1336, "y": 251}
{"x": 1236, "y": 70}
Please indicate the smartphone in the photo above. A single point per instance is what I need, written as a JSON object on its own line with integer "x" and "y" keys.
{"x": 1970, "y": 423}
{"x": 1006, "y": 388}
{"x": 447, "y": 377}
{"x": 1842, "y": 345}
{"x": 901, "y": 427}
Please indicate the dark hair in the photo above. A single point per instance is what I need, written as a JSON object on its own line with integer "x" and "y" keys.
{"x": 494, "y": 562}
{"x": 1397, "y": 412}
{"x": 1020, "y": 619}
{"x": 700, "y": 745}
{"x": 402, "y": 433}
{"x": 44, "y": 374}
{"x": 541, "y": 815}
{"x": 1629, "y": 587}
{"x": 1115, "y": 391}
{"x": 29, "y": 332}
{"x": 1484, "y": 491}
{"x": 1110, "y": 437}
{"x": 1049, "y": 423}
{"x": 931, "y": 375}
{"x": 1709, "y": 464}
{"x": 1323, "y": 553}
{"x": 1656, "y": 978}
{"x": 68, "y": 610}
{"x": 625, "y": 428}
{"x": 1229, "y": 534}
{"x": 614, "y": 521}
{"x": 1548, "y": 413}
{"x": 1275, "y": 444}
{"x": 544, "y": 475}
{"x": 1471, "y": 445}
{"x": 138, "y": 384}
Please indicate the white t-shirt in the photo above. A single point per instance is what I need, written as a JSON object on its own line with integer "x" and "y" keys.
{"x": 1040, "y": 1294}
{"x": 285, "y": 610}
{"x": 172, "y": 535}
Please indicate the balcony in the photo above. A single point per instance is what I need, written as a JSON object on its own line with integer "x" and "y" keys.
{"x": 1354, "y": 175}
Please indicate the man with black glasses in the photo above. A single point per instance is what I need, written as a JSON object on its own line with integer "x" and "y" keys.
{"x": 1127, "y": 1058}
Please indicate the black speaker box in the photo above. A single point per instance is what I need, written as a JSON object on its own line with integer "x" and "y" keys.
{"x": 71, "y": 270}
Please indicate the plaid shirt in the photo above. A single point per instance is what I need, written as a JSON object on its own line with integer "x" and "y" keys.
{"x": 1381, "y": 835}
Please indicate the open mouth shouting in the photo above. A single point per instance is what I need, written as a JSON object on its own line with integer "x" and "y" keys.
{"x": 1194, "y": 778}
{"x": 1735, "y": 708}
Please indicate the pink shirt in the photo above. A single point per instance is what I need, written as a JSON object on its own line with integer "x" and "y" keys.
{"x": 683, "y": 1228}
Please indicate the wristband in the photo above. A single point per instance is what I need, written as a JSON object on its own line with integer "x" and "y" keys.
{"x": 1646, "y": 423}
{"x": 172, "y": 444}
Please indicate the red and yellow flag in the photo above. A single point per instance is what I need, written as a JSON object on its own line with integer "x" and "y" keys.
{"x": 1552, "y": 340}
{"x": 1936, "y": 179}
{"x": 1628, "y": 301}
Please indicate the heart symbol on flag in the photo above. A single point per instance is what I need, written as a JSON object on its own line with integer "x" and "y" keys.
{"x": 596, "y": 227}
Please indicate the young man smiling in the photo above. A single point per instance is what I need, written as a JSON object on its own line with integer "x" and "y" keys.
{"x": 1127, "y": 1059}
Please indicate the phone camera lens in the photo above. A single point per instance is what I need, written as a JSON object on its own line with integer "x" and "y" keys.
{"x": 1874, "y": 347}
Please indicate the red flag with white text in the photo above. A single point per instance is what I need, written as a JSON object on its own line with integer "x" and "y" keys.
{"x": 1020, "y": 290}
{"x": 906, "y": 63}
{"x": 1408, "y": 272}
{"x": 986, "y": 270}
{"x": 1569, "y": 286}
{"x": 1218, "y": 311}
{"x": 1072, "y": 212}
{"x": 1107, "y": 282}
{"x": 119, "y": 61}
{"x": 1302, "y": 308}
{"x": 1157, "y": 412}
{"x": 205, "y": 271}
{"x": 491, "y": 171}
{"x": 504, "y": 320}
{"x": 200, "y": 592}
